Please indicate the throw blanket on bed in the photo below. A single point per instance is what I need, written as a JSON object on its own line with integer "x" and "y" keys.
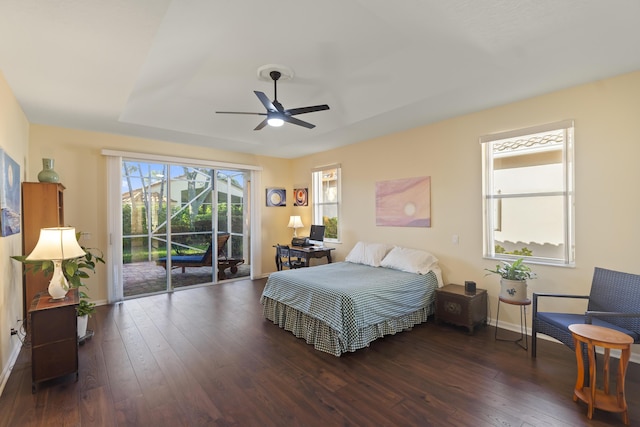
{"x": 349, "y": 297}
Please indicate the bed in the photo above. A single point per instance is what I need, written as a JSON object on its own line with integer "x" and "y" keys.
{"x": 344, "y": 306}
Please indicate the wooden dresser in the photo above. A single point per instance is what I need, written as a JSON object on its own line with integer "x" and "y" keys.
{"x": 54, "y": 337}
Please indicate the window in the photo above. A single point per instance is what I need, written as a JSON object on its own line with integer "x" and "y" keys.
{"x": 326, "y": 201}
{"x": 528, "y": 194}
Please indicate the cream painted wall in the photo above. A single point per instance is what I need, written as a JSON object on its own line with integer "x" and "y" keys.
{"x": 14, "y": 138}
{"x": 607, "y": 149}
{"x": 82, "y": 170}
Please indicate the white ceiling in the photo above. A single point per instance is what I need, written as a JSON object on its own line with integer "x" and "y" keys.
{"x": 160, "y": 69}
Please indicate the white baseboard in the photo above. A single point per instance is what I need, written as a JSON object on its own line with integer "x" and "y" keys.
{"x": 7, "y": 370}
{"x": 635, "y": 356}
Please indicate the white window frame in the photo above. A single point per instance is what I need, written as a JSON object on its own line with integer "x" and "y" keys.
{"x": 319, "y": 202}
{"x": 492, "y": 203}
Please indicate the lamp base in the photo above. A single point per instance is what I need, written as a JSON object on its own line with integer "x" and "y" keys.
{"x": 58, "y": 286}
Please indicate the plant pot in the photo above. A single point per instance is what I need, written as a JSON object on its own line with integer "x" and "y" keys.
{"x": 513, "y": 290}
{"x": 82, "y": 325}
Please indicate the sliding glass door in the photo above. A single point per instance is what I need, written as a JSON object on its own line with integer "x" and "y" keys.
{"x": 177, "y": 221}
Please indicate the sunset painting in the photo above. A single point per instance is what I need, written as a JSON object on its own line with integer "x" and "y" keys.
{"x": 404, "y": 202}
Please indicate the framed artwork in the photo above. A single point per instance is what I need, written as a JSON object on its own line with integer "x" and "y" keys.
{"x": 300, "y": 197}
{"x": 276, "y": 197}
{"x": 9, "y": 195}
{"x": 404, "y": 202}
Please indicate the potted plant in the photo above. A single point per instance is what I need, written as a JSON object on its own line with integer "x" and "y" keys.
{"x": 75, "y": 270}
{"x": 513, "y": 282}
{"x": 84, "y": 310}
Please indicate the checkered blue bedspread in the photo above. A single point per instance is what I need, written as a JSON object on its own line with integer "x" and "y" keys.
{"x": 350, "y": 297}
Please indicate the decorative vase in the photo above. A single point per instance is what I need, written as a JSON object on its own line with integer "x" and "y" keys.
{"x": 47, "y": 174}
{"x": 513, "y": 290}
{"x": 82, "y": 325}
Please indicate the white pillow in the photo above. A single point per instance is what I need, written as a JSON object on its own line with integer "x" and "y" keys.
{"x": 410, "y": 260}
{"x": 368, "y": 253}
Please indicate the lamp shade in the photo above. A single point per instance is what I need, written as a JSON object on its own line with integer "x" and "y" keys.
{"x": 295, "y": 222}
{"x": 56, "y": 243}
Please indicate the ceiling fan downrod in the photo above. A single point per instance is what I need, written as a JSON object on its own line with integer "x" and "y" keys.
{"x": 275, "y": 75}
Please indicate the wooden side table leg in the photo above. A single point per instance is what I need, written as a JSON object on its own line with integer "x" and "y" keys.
{"x": 607, "y": 357}
{"x": 592, "y": 378}
{"x": 625, "y": 355}
{"x": 580, "y": 362}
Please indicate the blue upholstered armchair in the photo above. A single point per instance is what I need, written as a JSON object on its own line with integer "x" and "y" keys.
{"x": 614, "y": 302}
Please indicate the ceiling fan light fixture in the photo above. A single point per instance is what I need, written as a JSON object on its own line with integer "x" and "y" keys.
{"x": 275, "y": 121}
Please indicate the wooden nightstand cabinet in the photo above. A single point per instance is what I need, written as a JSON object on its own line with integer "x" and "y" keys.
{"x": 54, "y": 337}
{"x": 454, "y": 305}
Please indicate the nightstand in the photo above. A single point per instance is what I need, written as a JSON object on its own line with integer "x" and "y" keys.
{"x": 54, "y": 337}
{"x": 454, "y": 305}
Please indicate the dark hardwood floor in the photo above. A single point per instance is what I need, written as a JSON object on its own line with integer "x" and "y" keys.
{"x": 206, "y": 356}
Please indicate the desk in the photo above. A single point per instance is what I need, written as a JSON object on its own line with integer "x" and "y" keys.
{"x": 607, "y": 338}
{"x": 308, "y": 252}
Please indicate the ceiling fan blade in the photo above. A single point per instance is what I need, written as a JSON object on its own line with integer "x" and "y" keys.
{"x": 239, "y": 112}
{"x": 265, "y": 101}
{"x": 303, "y": 110}
{"x": 298, "y": 122}
{"x": 261, "y": 125}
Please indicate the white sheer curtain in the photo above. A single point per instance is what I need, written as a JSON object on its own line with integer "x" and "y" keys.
{"x": 114, "y": 224}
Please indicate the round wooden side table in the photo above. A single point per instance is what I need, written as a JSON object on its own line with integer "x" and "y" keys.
{"x": 608, "y": 339}
{"x": 522, "y": 341}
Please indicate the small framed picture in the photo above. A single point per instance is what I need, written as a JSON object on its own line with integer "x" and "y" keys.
{"x": 300, "y": 197}
{"x": 276, "y": 197}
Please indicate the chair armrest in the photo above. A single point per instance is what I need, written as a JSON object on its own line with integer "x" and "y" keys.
{"x": 543, "y": 294}
{"x": 591, "y": 314}
{"x": 552, "y": 295}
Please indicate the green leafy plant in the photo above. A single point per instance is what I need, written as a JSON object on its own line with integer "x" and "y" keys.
{"x": 524, "y": 251}
{"x": 75, "y": 270}
{"x": 517, "y": 270}
{"x": 85, "y": 308}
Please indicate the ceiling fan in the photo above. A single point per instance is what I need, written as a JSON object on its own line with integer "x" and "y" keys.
{"x": 276, "y": 114}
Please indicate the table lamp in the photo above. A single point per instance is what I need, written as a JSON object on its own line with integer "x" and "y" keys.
{"x": 295, "y": 222}
{"x": 57, "y": 244}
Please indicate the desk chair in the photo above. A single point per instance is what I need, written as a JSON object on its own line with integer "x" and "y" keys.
{"x": 283, "y": 258}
